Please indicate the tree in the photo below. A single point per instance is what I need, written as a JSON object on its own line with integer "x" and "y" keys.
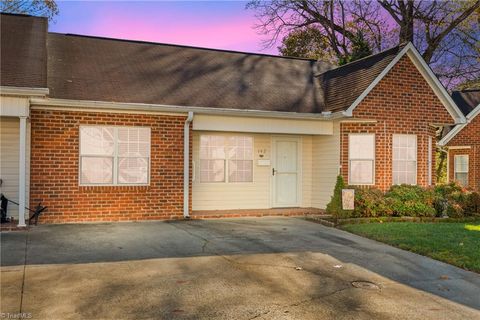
{"x": 44, "y": 8}
{"x": 335, "y": 206}
{"x": 446, "y": 33}
{"x": 360, "y": 49}
{"x": 468, "y": 85}
{"x": 306, "y": 43}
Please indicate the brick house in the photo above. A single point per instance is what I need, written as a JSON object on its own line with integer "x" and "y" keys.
{"x": 463, "y": 141}
{"x": 112, "y": 130}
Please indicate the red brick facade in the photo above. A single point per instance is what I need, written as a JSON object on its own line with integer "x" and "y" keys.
{"x": 401, "y": 103}
{"x": 469, "y": 136}
{"x": 55, "y": 170}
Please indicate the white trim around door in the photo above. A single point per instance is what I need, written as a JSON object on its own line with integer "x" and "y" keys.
{"x": 286, "y": 172}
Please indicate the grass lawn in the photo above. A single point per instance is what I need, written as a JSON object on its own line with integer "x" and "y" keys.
{"x": 457, "y": 243}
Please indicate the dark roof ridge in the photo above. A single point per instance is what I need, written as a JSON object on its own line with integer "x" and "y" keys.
{"x": 21, "y": 15}
{"x": 397, "y": 47}
{"x": 467, "y": 90}
{"x": 181, "y": 46}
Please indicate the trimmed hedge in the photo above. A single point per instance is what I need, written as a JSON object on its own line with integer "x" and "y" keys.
{"x": 448, "y": 200}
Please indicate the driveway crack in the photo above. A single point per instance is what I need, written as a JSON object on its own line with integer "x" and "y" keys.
{"x": 24, "y": 270}
{"x": 205, "y": 240}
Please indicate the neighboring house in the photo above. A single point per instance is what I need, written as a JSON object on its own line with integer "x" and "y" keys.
{"x": 105, "y": 130}
{"x": 463, "y": 141}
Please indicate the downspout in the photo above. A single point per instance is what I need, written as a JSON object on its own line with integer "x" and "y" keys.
{"x": 186, "y": 165}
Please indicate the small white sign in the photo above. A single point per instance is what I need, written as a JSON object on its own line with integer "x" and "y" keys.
{"x": 348, "y": 199}
{"x": 263, "y": 162}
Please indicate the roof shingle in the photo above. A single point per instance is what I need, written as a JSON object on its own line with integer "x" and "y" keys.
{"x": 23, "y": 51}
{"x": 89, "y": 68}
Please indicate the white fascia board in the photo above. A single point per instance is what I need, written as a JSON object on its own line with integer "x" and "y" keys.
{"x": 426, "y": 71}
{"x": 102, "y": 105}
{"x": 449, "y": 136}
{"x": 24, "y": 91}
{"x": 436, "y": 85}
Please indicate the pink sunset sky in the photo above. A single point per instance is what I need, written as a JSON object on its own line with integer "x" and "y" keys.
{"x": 222, "y": 24}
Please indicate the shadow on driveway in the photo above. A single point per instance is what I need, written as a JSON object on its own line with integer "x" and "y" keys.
{"x": 114, "y": 242}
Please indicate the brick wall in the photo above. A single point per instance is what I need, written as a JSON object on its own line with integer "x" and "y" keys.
{"x": 468, "y": 136}
{"x": 401, "y": 103}
{"x": 55, "y": 171}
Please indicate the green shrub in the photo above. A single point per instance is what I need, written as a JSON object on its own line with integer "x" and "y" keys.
{"x": 414, "y": 201}
{"x": 445, "y": 190}
{"x": 455, "y": 210}
{"x": 371, "y": 202}
{"x": 334, "y": 207}
{"x": 455, "y": 201}
{"x": 472, "y": 206}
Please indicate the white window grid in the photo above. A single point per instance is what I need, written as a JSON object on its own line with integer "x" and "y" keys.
{"x": 232, "y": 152}
{"x": 404, "y": 149}
{"x": 461, "y": 163}
{"x": 358, "y": 160}
{"x": 114, "y": 156}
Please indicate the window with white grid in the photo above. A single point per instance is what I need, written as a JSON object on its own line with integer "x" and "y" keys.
{"x": 361, "y": 159}
{"x": 226, "y": 158}
{"x": 240, "y": 159}
{"x": 114, "y": 155}
{"x": 461, "y": 169}
{"x": 404, "y": 159}
{"x": 212, "y": 158}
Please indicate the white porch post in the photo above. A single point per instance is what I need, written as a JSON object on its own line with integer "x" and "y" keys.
{"x": 22, "y": 166}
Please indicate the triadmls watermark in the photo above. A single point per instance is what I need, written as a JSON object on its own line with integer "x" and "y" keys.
{"x": 18, "y": 315}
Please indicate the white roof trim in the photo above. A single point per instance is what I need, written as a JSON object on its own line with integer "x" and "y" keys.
{"x": 143, "y": 107}
{"x": 24, "y": 91}
{"x": 423, "y": 67}
{"x": 449, "y": 136}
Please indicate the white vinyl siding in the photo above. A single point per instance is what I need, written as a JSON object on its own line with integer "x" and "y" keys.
{"x": 461, "y": 169}
{"x": 404, "y": 159}
{"x": 361, "y": 159}
{"x": 255, "y": 194}
{"x": 320, "y": 160}
{"x": 325, "y": 166}
{"x": 9, "y": 161}
{"x": 114, "y": 155}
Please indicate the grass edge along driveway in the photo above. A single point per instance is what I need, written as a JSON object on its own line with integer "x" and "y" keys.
{"x": 456, "y": 243}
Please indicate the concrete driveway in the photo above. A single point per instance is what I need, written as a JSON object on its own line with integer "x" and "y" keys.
{"x": 265, "y": 268}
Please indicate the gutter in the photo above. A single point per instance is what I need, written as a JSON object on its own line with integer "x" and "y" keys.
{"x": 24, "y": 91}
{"x": 90, "y": 104}
{"x": 186, "y": 165}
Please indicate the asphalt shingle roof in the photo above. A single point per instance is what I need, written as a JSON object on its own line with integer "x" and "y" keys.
{"x": 89, "y": 68}
{"x": 23, "y": 53}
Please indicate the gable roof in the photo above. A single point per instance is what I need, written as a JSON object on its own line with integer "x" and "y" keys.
{"x": 439, "y": 90}
{"x": 343, "y": 85}
{"x": 469, "y": 102}
{"x": 23, "y": 51}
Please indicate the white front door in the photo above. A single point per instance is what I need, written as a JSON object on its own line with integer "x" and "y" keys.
{"x": 285, "y": 172}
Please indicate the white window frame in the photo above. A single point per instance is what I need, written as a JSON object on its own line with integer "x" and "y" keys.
{"x": 226, "y": 161}
{"x": 353, "y": 183}
{"x": 455, "y": 167}
{"x": 430, "y": 161}
{"x": 115, "y": 158}
{"x": 416, "y": 157}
